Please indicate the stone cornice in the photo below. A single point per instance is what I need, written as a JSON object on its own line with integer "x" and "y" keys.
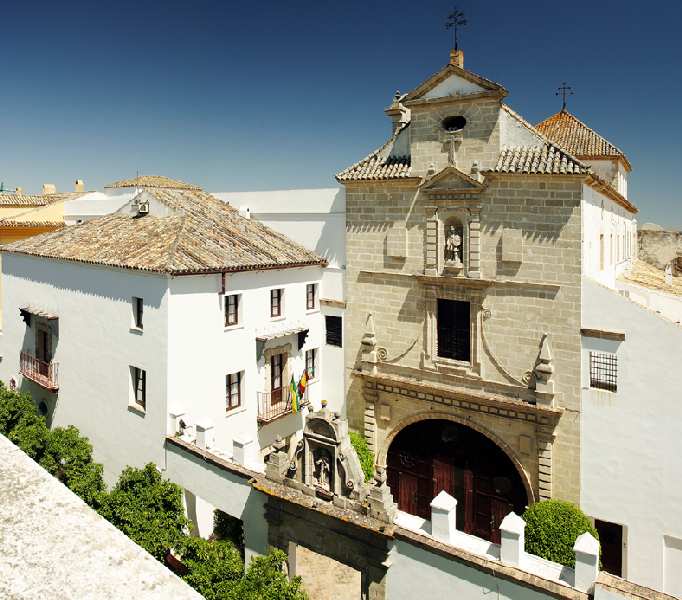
{"x": 425, "y": 102}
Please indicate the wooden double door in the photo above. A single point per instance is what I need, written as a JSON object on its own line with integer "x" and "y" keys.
{"x": 478, "y": 477}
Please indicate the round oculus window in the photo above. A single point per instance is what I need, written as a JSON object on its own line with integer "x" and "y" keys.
{"x": 456, "y": 123}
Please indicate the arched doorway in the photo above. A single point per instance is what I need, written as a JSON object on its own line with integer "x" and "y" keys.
{"x": 433, "y": 455}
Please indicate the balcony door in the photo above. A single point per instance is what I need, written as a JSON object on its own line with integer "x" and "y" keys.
{"x": 43, "y": 350}
{"x": 276, "y": 377}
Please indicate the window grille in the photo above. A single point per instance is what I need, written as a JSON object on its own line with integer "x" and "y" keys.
{"x": 139, "y": 386}
{"x": 603, "y": 371}
{"x": 233, "y": 390}
{"x": 276, "y": 302}
{"x": 310, "y": 296}
{"x": 231, "y": 310}
{"x": 334, "y": 330}
{"x": 454, "y": 330}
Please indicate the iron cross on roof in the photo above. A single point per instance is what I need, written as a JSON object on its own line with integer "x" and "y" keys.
{"x": 564, "y": 91}
{"x": 455, "y": 20}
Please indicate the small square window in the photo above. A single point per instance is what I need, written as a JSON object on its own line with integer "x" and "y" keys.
{"x": 276, "y": 302}
{"x": 138, "y": 312}
{"x": 233, "y": 390}
{"x": 604, "y": 371}
{"x": 311, "y": 296}
{"x": 231, "y": 310}
{"x": 334, "y": 331}
{"x": 138, "y": 379}
{"x": 311, "y": 363}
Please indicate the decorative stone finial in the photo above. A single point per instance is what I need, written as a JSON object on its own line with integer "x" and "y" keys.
{"x": 544, "y": 370}
{"x": 369, "y": 342}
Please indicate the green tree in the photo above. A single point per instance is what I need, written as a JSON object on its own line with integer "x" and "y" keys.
{"x": 147, "y": 508}
{"x": 265, "y": 580}
{"x": 214, "y": 567}
{"x": 552, "y": 527}
{"x": 21, "y": 423}
{"x": 365, "y": 455}
{"x": 68, "y": 456}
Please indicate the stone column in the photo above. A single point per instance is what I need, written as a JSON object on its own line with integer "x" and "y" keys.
{"x": 545, "y": 439}
{"x": 371, "y": 397}
{"x": 474, "y": 266}
{"x": 431, "y": 261}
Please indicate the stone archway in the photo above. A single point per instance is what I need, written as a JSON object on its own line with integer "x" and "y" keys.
{"x": 429, "y": 453}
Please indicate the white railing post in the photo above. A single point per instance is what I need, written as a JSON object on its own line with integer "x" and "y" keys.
{"x": 513, "y": 539}
{"x": 586, "y": 550}
{"x": 204, "y": 434}
{"x": 443, "y": 516}
{"x": 241, "y": 449}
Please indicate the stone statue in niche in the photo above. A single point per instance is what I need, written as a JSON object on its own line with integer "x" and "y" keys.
{"x": 453, "y": 247}
{"x": 322, "y": 472}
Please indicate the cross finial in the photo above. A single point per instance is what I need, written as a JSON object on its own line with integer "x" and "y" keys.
{"x": 455, "y": 20}
{"x": 564, "y": 91}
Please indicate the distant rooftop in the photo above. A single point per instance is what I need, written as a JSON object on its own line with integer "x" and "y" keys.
{"x": 57, "y": 547}
{"x": 11, "y": 199}
{"x": 153, "y": 181}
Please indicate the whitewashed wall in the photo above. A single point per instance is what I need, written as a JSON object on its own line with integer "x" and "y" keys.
{"x": 602, "y": 216}
{"x": 668, "y": 305}
{"x": 630, "y": 440}
{"x": 315, "y": 218}
{"x": 202, "y": 351}
{"x": 95, "y": 348}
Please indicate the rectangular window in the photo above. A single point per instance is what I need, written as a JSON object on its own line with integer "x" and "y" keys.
{"x": 310, "y": 296}
{"x": 233, "y": 390}
{"x": 139, "y": 382}
{"x": 601, "y": 252}
{"x": 311, "y": 363}
{"x": 334, "y": 330}
{"x": 138, "y": 310}
{"x": 276, "y": 302}
{"x": 231, "y": 310}
{"x": 603, "y": 371}
{"x": 611, "y": 543}
{"x": 454, "y": 330}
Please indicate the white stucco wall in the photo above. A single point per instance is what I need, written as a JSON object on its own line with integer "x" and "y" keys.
{"x": 668, "y": 305}
{"x": 95, "y": 347}
{"x": 602, "y": 216}
{"x": 96, "y": 204}
{"x": 630, "y": 439}
{"x": 202, "y": 351}
{"x": 417, "y": 573}
{"x": 315, "y": 218}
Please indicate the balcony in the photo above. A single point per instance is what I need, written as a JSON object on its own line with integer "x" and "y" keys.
{"x": 272, "y": 406}
{"x": 45, "y": 374}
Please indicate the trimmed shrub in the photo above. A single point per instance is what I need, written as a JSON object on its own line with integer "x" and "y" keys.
{"x": 68, "y": 456}
{"x": 228, "y": 528}
{"x": 265, "y": 580}
{"x": 21, "y": 423}
{"x": 214, "y": 567}
{"x": 147, "y": 508}
{"x": 365, "y": 455}
{"x": 552, "y": 527}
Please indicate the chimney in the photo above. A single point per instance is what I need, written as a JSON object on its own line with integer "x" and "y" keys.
{"x": 49, "y": 188}
{"x": 457, "y": 58}
{"x": 18, "y": 190}
{"x": 395, "y": 111}
{"x": 79, "y": 186}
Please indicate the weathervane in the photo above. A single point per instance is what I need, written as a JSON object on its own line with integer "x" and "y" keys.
{"x": 455, "y": 20}
{"x": 564, "y": 91}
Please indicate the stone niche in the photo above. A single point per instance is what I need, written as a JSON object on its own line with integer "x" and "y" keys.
{"x": 323, "y": 463}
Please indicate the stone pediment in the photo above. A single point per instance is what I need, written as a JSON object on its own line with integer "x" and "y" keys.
{"x": 452, "y": 181}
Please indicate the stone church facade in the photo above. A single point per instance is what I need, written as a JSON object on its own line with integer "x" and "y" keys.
{"x": 463, "y": 281}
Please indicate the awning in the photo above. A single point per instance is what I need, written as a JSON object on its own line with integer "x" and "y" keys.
{"x": 37, "y": 312}
{"x": 273, "y": 332}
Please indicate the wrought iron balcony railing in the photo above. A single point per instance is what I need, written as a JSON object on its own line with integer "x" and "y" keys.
{"x": 45, "y": 374}
{"x": 273, "y": 405}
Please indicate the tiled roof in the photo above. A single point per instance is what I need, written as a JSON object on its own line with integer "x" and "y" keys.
{"x": 379, "y": 165}
{"x": 14, "y": 223}
{"x": 153, "y": 181}
{"x": 14, "y": 199}
{"x": 547, "y": 159}
{"x": 201, "y": 235}
{"x": 571, "y": 133}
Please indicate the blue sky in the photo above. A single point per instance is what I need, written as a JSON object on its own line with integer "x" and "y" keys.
{"x": 247, "y": 96}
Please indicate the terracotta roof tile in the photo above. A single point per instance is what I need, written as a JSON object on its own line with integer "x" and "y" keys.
{"x": 14, "y": 199}
{"x": 201, "y": 235}
{"x": 547, "y": 159}
{"x": 152, "y": 181}
{"x": 571, "y": 133}
{"x": 379, "y": 164}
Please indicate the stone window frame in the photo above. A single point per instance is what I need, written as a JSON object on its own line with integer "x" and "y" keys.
{"x": 432, "y": 294}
